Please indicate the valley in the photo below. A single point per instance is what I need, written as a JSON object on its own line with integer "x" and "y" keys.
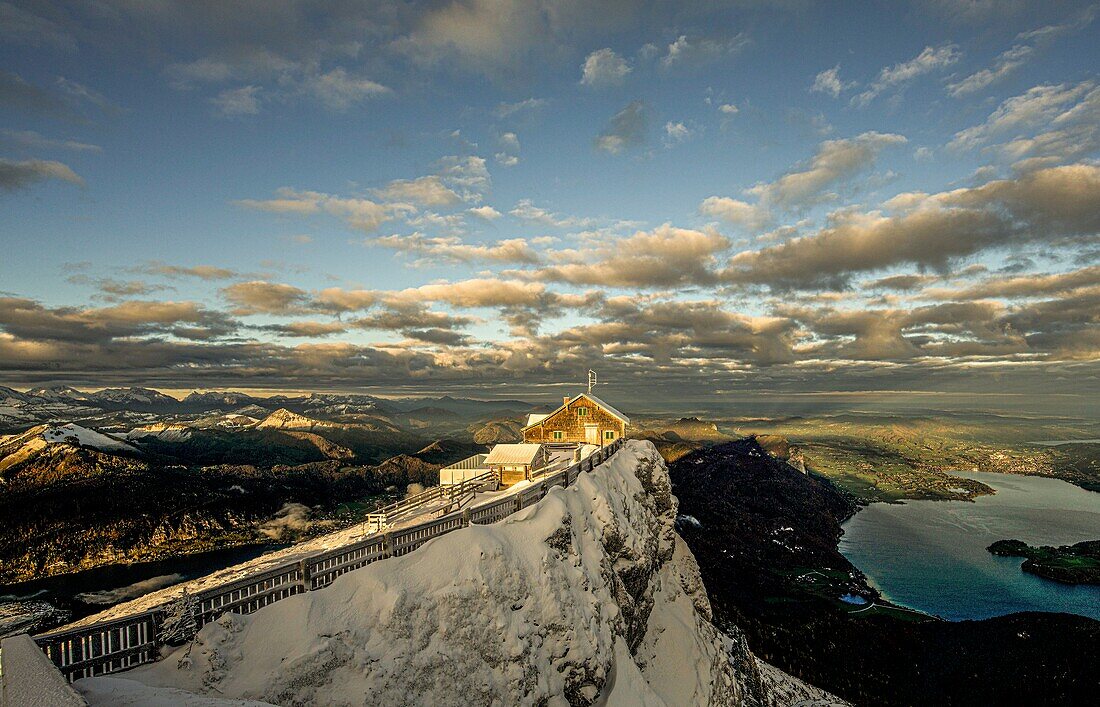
{"x": 136, "y": 478}
{"x": 765, "y": 535}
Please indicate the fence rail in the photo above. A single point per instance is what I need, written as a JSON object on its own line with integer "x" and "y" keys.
{"x": 119, "y": 644}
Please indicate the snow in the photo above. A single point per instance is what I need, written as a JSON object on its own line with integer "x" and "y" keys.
{"x": 86, "y": 437}
{"x": 38, "y": 683}
{"x": 167, "y": 431}
{"x": 588, "y": 597}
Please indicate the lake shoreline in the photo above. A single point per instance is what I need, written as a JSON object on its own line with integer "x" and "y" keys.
{"x": 903, "y": 550}
{"x": 785, "y": 591}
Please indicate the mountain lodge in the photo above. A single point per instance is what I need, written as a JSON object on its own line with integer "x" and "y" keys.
{"x": 583, "y": 419}
{"x": 578, "y": 427}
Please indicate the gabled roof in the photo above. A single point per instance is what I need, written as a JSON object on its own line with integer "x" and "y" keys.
{"x": 535, "y": 417}
{"x": 606, "y": 408}
{"x": 513, "y": 454}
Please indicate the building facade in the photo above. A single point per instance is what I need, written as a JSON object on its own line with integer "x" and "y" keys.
{"x": 584, "y": 419}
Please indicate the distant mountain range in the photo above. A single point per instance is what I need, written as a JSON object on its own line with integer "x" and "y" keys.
{"x": 130, "y": 474}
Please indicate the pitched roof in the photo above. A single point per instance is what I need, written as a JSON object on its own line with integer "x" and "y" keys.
{"x": 513, "y": 454}
{"x": 535, "y": 417}
{"x": 606, "y": 408}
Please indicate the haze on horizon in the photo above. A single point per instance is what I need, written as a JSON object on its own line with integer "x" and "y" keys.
{"x": 693, "y": 198}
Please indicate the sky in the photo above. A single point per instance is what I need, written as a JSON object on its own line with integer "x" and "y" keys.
{"x": 693, "y": 198}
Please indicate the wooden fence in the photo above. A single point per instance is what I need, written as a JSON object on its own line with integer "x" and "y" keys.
{"x": 123, "y": 643}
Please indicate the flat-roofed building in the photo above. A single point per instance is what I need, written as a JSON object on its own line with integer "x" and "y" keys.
{"x": 515, "y": 462}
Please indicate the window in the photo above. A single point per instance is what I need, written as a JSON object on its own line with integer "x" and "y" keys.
{"x": 582, "y": 412}
{"x": 557, "y": 434}
{"x": 609, "y": 434}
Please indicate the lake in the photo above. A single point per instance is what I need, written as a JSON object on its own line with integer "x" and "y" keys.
{"x": 931, "y": 556}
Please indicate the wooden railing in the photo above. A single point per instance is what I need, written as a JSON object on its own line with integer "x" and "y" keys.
{"x": 120, "y": 644}
{"x": 435, "y": 499}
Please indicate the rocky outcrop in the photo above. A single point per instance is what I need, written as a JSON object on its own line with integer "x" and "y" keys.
{"x": 588, "y": 597}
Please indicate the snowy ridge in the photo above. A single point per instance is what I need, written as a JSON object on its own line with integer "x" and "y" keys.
{"x": 588, "y": 597}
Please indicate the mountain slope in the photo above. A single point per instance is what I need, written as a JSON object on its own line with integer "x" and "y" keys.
{"x": 766, "y": 536}
{"x": 589, "y": 597}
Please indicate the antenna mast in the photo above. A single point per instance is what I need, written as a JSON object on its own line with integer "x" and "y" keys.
{"x": 591, "y": 379}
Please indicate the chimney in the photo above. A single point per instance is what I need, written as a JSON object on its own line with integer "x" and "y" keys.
{"x": 565, "y": 400}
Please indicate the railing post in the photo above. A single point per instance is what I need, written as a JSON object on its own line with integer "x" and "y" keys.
{"x": 465, "y": 517}
{"x": 303, "y": 571}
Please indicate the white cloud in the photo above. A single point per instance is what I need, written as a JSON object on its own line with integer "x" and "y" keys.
{"x": 238, "y": 101}
{"x": 31, "y": 139}
{"x": 829, "y": 82}
{"x": 929, "y": 60}
{"x": 429, "y": 191}
{"x": 728, "y": 109}
{"x": 604, "y": 67}
{"x": 338, "y": 90}
{"x": 504, "y": 110}
{"x": 700, "y": 50}
{"x": 485, "y": 213}
{"x": 676, "y": 133}
{"x": 735, "y": 211}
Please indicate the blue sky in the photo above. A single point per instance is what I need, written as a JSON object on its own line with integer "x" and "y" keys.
{"x": 334, "y": 195}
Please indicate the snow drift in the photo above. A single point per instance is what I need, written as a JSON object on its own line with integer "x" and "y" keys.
{"x": 588, "y": 597}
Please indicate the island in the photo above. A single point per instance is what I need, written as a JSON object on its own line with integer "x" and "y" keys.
{"x": 1071, "y": 564}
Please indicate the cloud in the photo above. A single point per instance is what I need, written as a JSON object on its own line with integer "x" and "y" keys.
{"x": 905, "y": 283}
{"x": 829, "y": 82}
{"x": 604, "y": 67}
{"x": 130, "y": 591}
{"x": 202, "y": 272}
{"x": 468, "y": 175}
{"x": 237, "y": 101}
{"x": 27, "y": 319}
{"x": 728, "y": 109}
{"x": 700, "y": 50}
{"x": 259, "y": 296}
{"x": 306, "y": 329}
{"x": 1044, "y": 206}
{"x": 429, "y": 191}
{"x": 31, "y": 139}
{"x": 505, "y": 110}
{"x": 361, "y": 214}
{"x": 735, "y": 211}
{"x": 480, "y": 292}
{"x": 1030, "y": 285}
{"x": 1044, "y": 126}
{"x": 452, "y": 249}
{"x": 526, "y": 210}
{"x": 84, "y": 95}
{"x": 21, "y": 27}
{"x": 338, "y": 90}
{"x": 509, "y": 154}
{"x": 114, "y": 290}
{"x": 291, "y": 520}
{"x": 1007, "y": 62}
{"x": 676, "y": 133}
{"x": 626, "y": 129}
{"x": 930, "y": 59}
{"x": 337, "y": 300}
{"x": 28, "y": 98}
{"x": 835, "y": 163}
{"x": 21, "y": 174}
{"x": 664, "y": 257}
{"x": 485, "y": 213}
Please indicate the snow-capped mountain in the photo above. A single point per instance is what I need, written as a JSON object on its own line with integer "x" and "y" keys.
{"x": 283, "y": 419}
{"x": 589, "y": 597}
